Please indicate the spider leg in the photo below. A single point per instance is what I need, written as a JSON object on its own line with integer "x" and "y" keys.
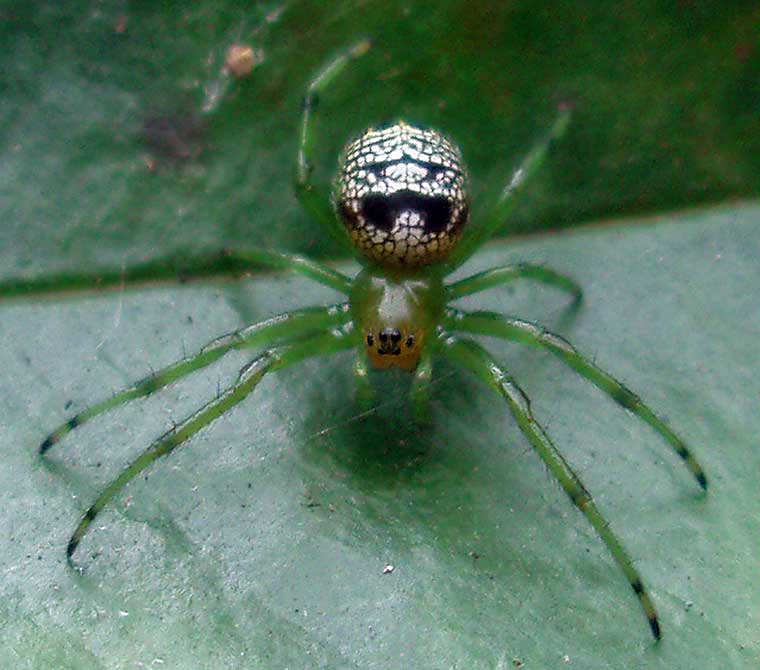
{"x": 496, "y": 325}
{"x": 269, "y": 361}
{"x": 314, "y": 201}
{"x": 472, "y": 356}
{"x": 307, "y": 267}
{"x": 508, "y": 273}
{"x": 292, "y": 325}
{"x": 182, "y": 265}
{"x": 505, "y": 202}
{"x": 419, "y": 393}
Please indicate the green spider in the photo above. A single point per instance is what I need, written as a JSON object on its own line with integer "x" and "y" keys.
{"x": 401, "y": 195}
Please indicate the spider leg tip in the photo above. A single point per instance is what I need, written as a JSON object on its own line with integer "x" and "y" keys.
{"x": 702, "y": 479}
{"x": 71, "y": 547}
{"x": 57, "y": 434}
{"x": 566, "y": 105}
{"x": 362, "y": 47}
{"x": 48, "y": 442}
{"x": 654, "y": 624}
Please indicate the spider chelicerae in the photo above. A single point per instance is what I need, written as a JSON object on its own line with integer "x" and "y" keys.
{"x": 401, "y": 199}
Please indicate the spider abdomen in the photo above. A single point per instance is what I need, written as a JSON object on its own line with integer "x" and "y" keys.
{"x": 402, "y": 194}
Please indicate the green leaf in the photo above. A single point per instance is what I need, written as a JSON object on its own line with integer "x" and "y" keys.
{"x": 264, "y": 541}
{"x": 666, "y": 101}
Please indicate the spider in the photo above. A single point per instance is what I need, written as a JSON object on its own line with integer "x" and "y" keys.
{"x": 401, "y": 199}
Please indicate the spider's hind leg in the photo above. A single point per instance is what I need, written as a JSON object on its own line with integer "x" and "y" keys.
{"x": 181, "y": 265}
{"x": 506, "y": 274}
{"x": 293, "y": 324}
{"x": 313, "y": 200}
{"x": 506, "y": 200}
{"x": 472, "y": 356}
{"x": 272, "y": 359}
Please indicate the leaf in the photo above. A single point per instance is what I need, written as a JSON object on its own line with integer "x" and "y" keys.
{"x": 265, "y": 541}
{"x": 665, "y": 94}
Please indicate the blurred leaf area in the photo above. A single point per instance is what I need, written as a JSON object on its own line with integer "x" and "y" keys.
{"x": 122, "y": 138}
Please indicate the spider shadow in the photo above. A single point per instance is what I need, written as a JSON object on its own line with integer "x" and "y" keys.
{"x": 408, "y": 479}
{"x": 400, "y": 478}
{"x": 376, "y": 447}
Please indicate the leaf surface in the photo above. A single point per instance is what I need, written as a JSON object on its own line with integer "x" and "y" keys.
{"x": 265, "y": 541}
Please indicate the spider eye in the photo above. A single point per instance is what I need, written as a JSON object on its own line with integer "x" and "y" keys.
{"x": 370, "y": 340}
{"x": 410, "y": 341}
{"x": 389, "y": 342}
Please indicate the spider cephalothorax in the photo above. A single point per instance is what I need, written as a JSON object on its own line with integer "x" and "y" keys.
{"x": 402, "y": 194}
{"x": 395, "y": 316}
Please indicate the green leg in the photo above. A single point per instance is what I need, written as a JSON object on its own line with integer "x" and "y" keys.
{"x": 316, "y": 203}
{"x": 476, "y": 359}
{"x": 509, "y": 273}
{"x": 419, "y": 394}
{"x": 250, "y": 376}
{"x": 290, "y": 325}
{"x": 505, "y": 202}
{"x": 292, "y": 263}
{"x": 496, "y": 325}
{"x": 365, "y": 394}
{"x": 181, "y": 265}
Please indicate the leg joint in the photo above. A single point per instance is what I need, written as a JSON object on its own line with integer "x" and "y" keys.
{"x": 309, "y": 102}
{"x": 625, "y": 397}
{"x": 580, "y": 496}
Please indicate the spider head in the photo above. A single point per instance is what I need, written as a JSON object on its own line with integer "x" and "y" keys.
{"x": 402, "y": 194}
{"x": 393, "y": 347}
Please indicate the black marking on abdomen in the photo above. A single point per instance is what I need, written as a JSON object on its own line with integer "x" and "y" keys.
{"x": 383, "y": 210}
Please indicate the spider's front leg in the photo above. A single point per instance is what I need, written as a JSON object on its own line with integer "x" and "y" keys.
{"x": 291, "y": 325}
{"x": 472, "y": 356}
{"x": 419, "y": 393}
{"x": 365, "y": 394}
{"x": 497, "y": 325}
{"x": 273, "y": 359}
